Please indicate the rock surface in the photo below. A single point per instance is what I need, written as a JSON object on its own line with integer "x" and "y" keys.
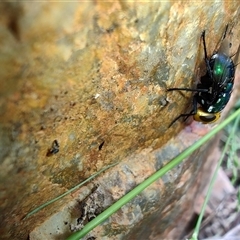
{"x": 93, "y": 76}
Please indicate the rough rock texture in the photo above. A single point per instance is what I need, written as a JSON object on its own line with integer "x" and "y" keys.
{"x": 93, "y": 76}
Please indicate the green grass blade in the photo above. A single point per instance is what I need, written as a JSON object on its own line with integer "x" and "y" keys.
{"x": 68, "y": 192}
{"x": 129, "y": 196}
{"x": 231, "y": 136}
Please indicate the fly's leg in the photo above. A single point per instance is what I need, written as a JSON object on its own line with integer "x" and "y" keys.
{"x": 187, "y": 115}
{"x": 205, "y": 55}
{"x": 187, "y": 89}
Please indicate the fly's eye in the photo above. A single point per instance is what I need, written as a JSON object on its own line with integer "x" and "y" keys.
{"x": 205, "y": 117}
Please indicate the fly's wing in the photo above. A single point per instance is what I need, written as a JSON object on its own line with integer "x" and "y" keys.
{"x": 225, "y": 47}
{"x": 225, "y": 65}
{"x": 236, "y": 56}
{"x": 225, "y": 44}
{"x": 223, "y": 68}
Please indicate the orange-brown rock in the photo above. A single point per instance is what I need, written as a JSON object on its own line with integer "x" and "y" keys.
{"x": 93, "y": 76}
